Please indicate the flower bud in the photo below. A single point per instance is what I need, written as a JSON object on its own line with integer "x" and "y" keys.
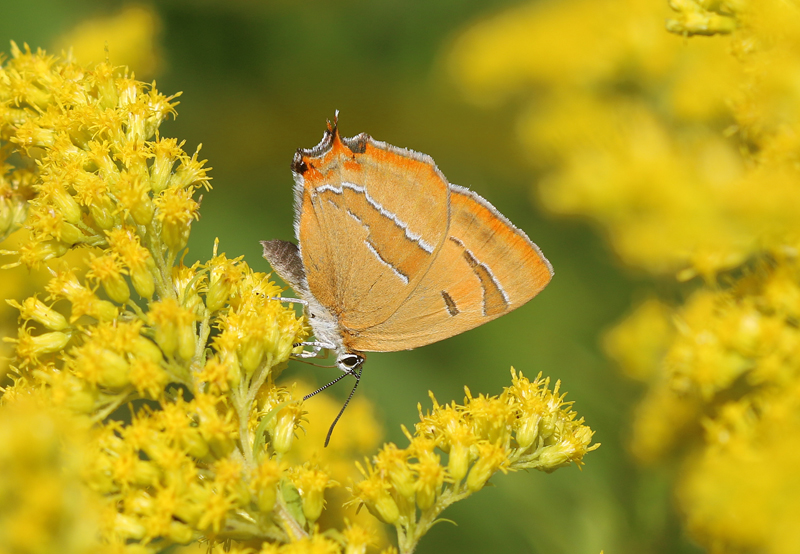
{"x": 75, "y": 394}
{"x": 128, "y": 527}
{"x": 264, "y": 484}
{"x": 186, "y": 341}
{"x": 180, "y": 532}
{"x": 195, "y": 444}
{"x": 458, "y": 464}
{"x": 252, "y": 354}
{"x": 555, "y": 456}
{"x": 66, "y": 204}
{"x": 143, "y": 210}
{"x": 220, "y": 446}
{"x": 175, "y": 233}
{"x": 115, "y": 372}
{"x": 145, "y": 348}
{"x": 527, "y": 430}
{"x": 35, "y": 309}
{"x": 102, "y": 310}
{"x": 384, "y": 508}
{"x": 490, "y": 458}
{"x": 218, "y": 292}
{"x": 403, "y": 480}
{"x": 313, "y": 502}
{"x": 116, "y": 288}
{"x": 283, "y": 431}
{"x": 31, "y": 254}
{"x": 102, "y": 211}
{"x": 167, "y": 338}
{"x": 145, "y": 474}
{"x": 69, "y": 234}
{"x": 46, "y": 343}
{"x": 143, "y": 281}
{"x": 266, "y": 498}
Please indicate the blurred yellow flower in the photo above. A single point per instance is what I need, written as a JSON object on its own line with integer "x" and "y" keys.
{"x": 44, "y": 504}
{"x": 684, "y": 152}
{"x": 678, "y": 149}
{"x": 129, "y": 37}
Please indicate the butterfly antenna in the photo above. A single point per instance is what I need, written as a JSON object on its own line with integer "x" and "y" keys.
{"x": 322, "y": 388}
{"x": 346, "y": 402}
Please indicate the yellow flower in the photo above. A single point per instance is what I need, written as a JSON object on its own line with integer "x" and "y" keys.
{"x": 490, "y": 459}
{"x": 41, "y": 460}
{"x": 374, "y": 493}
{"x": 35, "y": 309}
{"x": 264, "y": 483}
{"x": 225, "y": 274}
{"x": 31, "y": 347}
{"x": 125, "y": 244}
{"x": 356, "y": 539}
{"x": 174, "y": 328}
{"x": 430, "y": 477}
{"x": 410, "y": 488}
{"x": 176, "y": 210}
{"x": 311, "y": 482}
{"x": 108, "y": 271}
{"x": 392, "y": 463}
{"x": 65, "y": 284}
{"x": 683, "y": 152}
{"x": 130, "y": 35}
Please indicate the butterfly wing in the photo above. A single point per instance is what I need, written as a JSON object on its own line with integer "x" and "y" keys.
{"x": 368, "y": 229}
{"x": 485, "y": 268}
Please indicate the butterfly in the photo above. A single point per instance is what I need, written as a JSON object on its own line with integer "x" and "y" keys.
{"x": 391, "y": 256}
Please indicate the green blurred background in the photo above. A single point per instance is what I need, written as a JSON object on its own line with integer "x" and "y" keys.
{"x": 259, "y": 81}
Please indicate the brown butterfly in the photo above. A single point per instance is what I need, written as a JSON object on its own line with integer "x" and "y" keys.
{"x": 391, "y": 256}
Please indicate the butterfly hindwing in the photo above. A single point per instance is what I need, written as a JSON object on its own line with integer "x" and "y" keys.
{"x": 485, "y": 268}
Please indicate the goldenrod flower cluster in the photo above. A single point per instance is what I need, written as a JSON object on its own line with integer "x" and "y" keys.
{"x": 684, "y": 151}
{"x": 527, "y": 426}
{"x": 140, "y": 409}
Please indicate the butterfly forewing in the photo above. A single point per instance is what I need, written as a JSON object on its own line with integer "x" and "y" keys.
{"x": 368, "y": 229}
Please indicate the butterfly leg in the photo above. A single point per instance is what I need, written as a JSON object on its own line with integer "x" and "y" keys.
{"x": 289, "y": 300}
{"x": 316, "y": 348}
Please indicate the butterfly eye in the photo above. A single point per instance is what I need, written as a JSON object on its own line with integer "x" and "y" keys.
{"x": 350, "y": 361}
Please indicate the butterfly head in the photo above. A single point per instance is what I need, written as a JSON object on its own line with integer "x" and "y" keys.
{"x": 350, "y": 362}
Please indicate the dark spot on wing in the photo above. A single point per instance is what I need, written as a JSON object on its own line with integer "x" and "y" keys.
{"x": 452, "y": 309}
{"x": 357, "y": 144}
